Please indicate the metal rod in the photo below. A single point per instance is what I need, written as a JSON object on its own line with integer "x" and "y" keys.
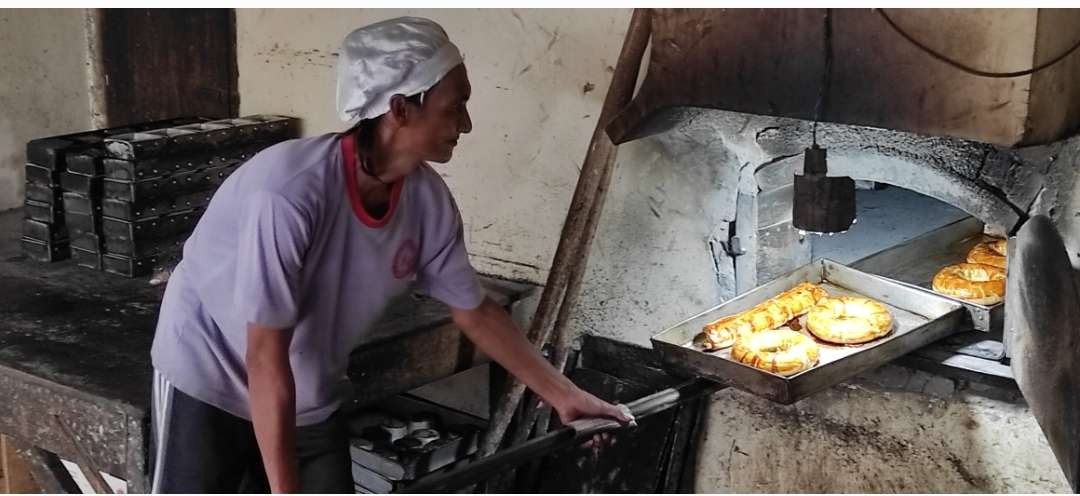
{"x": 573, "y": 434}
{"x": 568, "y": 256}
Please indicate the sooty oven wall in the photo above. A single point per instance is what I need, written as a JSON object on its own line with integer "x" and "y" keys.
{"x": 678, "y": 197}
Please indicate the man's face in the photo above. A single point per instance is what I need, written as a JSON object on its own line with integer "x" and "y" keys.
{"x": 442, "y": 118}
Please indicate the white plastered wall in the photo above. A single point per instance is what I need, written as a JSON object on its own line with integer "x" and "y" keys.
{"x": 538, "y": 79}
{"x": 44, "y": 86}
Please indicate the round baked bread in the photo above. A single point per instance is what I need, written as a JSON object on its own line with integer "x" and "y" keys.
{"x": 780, "y": 351}
{"x": 988, "y": 253}
{"x": 977, "y": 283}
{"x": 848, "y": 320}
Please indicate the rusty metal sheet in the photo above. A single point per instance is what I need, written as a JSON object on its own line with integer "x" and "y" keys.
{"x": 1042, "y": 310}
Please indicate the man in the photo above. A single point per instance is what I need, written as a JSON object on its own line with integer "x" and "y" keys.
{"x": 296, "y": 256}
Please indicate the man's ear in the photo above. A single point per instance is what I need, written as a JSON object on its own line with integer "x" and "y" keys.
{"x": 400, "y": 109}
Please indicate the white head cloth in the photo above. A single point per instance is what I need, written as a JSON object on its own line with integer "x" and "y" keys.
{"x": 407, "y": 55}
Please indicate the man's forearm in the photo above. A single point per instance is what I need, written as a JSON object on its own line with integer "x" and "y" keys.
{"x": 494, "y": 333}
{"x": 272, "y": 397}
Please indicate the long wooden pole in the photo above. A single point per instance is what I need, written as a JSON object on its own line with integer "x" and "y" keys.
{"x": 564, "y": 335}
{"x": 533, "y": 415}
{"x": 570, "y": 258}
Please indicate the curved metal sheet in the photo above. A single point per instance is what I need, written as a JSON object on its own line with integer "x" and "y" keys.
{"x": 1042, "y": 309}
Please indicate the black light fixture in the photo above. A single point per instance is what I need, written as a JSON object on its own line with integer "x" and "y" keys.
{"x": 822, "y": 204}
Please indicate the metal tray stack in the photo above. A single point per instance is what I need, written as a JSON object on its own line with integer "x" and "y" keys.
{"x": 154, "y": 186}
{"x": 45, "y": 236}
{"x": 919, "y": 317}
{"x": 50, "y": 161}
{"x": 383, "y": 462}
{"x": 124, "y": 199}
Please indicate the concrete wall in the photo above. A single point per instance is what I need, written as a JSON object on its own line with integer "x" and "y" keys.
{"x": 44, "y": 86}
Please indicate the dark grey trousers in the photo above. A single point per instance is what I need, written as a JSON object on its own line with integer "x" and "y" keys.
{"x": 199, "y": 448}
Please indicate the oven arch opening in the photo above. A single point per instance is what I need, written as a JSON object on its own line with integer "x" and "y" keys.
{"x": 774, "y": 247}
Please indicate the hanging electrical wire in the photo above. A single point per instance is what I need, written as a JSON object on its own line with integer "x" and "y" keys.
{"x": 971, "y": 70}
{"x": 826, "y": 76}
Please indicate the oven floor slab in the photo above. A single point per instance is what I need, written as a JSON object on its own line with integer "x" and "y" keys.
{"x": 886, "y": 218}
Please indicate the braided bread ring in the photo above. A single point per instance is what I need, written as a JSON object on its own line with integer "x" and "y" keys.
{"x": 983, "y": 284}
{"x": 988, "y": 253}
{"x": 849, "y": 320}
{"x": 977, "y": 283}
{"x": 780, "y": 351}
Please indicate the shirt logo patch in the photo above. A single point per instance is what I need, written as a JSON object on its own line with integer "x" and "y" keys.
{"x": 405, "y": 259}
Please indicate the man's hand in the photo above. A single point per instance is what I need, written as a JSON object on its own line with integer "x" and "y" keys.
{"x": 580, "y": 404}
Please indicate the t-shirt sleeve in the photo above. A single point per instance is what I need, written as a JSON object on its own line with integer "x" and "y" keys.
{"x": 444, "y": 272}
{"x": 274, "y": 236}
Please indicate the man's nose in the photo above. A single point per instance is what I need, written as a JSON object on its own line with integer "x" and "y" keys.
{"x": 466, "y": 123}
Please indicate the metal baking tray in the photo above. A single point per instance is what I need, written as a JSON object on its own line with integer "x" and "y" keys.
{"x": 919, "y": 318}
{"x": 125, "y": 210}
{"x": 916, "y": 261}
{"x": 138, "y": 266}
{"x": 36, "y": 174}
{"x": 150, "y": 235}
{"x": 150, "y": 189}
{"x": 45, "y": 250}
{"x": 45, "y": 212}
{"x": 43, "y": 193}
{"x": 135, "y": 170}
{"x": 204, "y": 137}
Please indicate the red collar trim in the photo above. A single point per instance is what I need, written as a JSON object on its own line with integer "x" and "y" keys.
{"x": 348, "y": 155}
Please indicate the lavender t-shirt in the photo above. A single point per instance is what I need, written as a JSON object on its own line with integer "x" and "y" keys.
{"x": 286, "y": 243}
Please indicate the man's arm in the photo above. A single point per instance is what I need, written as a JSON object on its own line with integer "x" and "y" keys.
{"x": 272, "y": 396}
{"x": 492, "y": 330}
